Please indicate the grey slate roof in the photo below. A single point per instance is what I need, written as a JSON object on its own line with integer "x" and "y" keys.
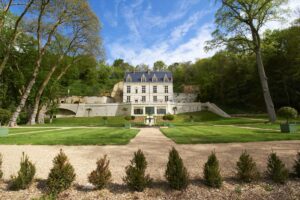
{"x": 136, "y": 76}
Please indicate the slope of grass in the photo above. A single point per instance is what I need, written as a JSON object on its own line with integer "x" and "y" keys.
{"x": 69, "y": 136}
{"x": 223, "y": 134}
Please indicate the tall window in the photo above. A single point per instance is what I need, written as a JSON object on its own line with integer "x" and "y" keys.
{"x": 128, "y": 98}
{"x": 143, "y": 89}
{"x": 143, "y": 98}
{"x": 155, "y": 98}
{"x": 128, "y": 89}
{"x": 136, "y": 90}
{"x": 155, "y": 89}
{"x": 166, "y": 98}
{"x": 166, "y": 89}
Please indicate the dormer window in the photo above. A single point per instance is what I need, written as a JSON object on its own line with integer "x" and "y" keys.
{"x": 154, "y": 78}
{"x": 143, "y": 78}
{"x": 166, "y": 79}
{"x": 128, "y": 79}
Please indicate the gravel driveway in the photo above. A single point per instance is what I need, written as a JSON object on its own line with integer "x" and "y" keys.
{"x": 155, "y": 146}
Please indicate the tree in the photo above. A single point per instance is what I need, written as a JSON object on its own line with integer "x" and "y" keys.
{"x": 159, "y": 66}
{"x": 15, "y": 29}
{"x": 142, "y": 67}
{"x": 57, "y": 13}
{"x": 84, "y": 30}
{"x": 236, "y": 20}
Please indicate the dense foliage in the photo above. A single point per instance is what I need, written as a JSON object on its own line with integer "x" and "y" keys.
{"x": 62, "y": 174}
{"x": 101, "y": 176}
{"x": 212, "y": 175}
{"x": 136, "y": 177}
{"x": 176, "y": 173}
{"x": 287, "y": 113}
{"x": 246, "y": 168}
{"x": 25, "y": 174}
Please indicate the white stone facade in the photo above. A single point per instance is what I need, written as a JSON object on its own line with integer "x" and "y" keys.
{"x": 144, "y": 94}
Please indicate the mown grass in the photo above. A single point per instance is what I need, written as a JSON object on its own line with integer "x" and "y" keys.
{"x": 117, "y": 121}
{"x": 70, "y": 136}
{"x": 224, "y": 134}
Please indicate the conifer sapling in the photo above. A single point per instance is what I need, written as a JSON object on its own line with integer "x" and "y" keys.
{"x": 276, "y": 169}
{"x": 25, "y": 174}
{"x": 62, "y": 174}
{"x": 176, "y": 173}
{"x": 101, "y": 176}
{"x": 212, "y": 173}
{"x": 297, "y": 166}
{"x": 136, "y": 177}
{"x": 246, "y": 168}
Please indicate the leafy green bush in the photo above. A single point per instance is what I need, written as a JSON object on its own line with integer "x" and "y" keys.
{"x": 104, "y": 118}
{"x": 101, "y": 176}
{"x": 127, "y": 118}
{"x": 246, "y": 168}
{"x": 297, "y": 166}
{"x": 176, "y": 173}
{"x": 168, "y": 117}
{"x": 4, "y": 116}
{"x": 276, "y": 169}
{"x": 212, "y": 175}
{"x": 25, "y": 175}
{"x": 287, "y": 113}
{"x": 1, "y": 173}
{"x": 132, "y": 117}
{"x": 61, "y": 175}
{"x": 135, "y": 178}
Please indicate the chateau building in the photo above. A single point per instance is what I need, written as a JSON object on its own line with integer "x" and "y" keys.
{"x": 149, "y": 92}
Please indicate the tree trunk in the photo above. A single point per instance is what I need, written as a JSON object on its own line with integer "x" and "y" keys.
{"x": 38, "y": 96}
{"x": 265, "y": 87}
{"x": 14, "y": 117}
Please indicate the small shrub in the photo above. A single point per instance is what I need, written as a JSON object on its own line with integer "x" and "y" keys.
{"x": 101, "y": 176}
{"x": 212, "y": 173}
{"x": 276, "y": 169}
{"x": 297, "y": 166}
{"x": 127, "y": 118}
{"x": 1, "y": 173}
{"x": 176, "y": 173}
{"x": 132, "y": 117}
{"x": 61, "y": 175}
{"x": 287, "y": 113}
{"x": 104, "y": 118}
{"x": 136, "y": 177}
{"x": 4, "y": 116}
{"x": 246, "y": 168}
{"x": 25, "y": 174}
{"x": 168, "y": 117}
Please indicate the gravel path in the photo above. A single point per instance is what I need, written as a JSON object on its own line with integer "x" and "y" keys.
{"x": 155, "y": 146}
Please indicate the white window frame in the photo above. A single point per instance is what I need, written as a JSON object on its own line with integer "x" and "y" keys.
{"x": 166, "y": 98}
{"x": 128, "y": 89}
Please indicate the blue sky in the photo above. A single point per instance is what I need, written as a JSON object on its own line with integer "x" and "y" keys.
{"x": 144, "y": 31}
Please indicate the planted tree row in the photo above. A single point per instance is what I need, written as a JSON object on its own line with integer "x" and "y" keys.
{"x": 62, "y": 174}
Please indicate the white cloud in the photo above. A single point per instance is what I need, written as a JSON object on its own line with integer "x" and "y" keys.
{"x": 189, "y": 51}
{"x": 180, "y": 31}
{"x": 163, "y": 49}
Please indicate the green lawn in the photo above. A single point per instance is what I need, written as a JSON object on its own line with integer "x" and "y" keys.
{"x": 117, "y": 121}
{"x": 223, "y": 134}
{"x": 68, "y": 136}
